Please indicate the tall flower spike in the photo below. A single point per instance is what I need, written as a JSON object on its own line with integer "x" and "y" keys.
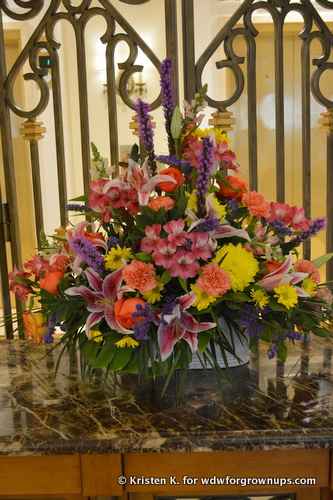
{"x": 146, "y": 131}
{"x": 206, "y": 160}
{"x": 168, "y": 98}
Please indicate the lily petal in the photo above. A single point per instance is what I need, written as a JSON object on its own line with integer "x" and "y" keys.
{"x": 168, "y": 336}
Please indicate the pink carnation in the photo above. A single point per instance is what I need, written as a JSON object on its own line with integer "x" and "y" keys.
{"x": 139, "y": 275}
{"x": 256, "y": 204}
{"x": 305, "y": 266}
{"x": 214, "y": 280}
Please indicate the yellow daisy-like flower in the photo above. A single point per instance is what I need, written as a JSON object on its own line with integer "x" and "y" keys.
{"x": 203, "y": 299}
{"x": 260, "y": 297}
{"x": 127, "y": 342}
{"x": 309, "y": 286}
{"x": 240, "y": 264}
{"x": 286, "y": 295}
{"x": 96, "y": 335}
{"x": 114, "y": 258}
{"x": 154, "y": 295}
{"x": 220, "y": 135}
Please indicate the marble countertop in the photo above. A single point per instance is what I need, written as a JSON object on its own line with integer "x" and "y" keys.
{"x": 266, "y": 405}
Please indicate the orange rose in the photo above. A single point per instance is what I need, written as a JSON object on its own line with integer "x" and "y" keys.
{"x": 176, "y": 174}
{"x": 161, "y": 201}
{"x": 272, "y": 266}
{"x": 50, "y": 281}
{"x": 124, "y": 308}
{"x": 35, "y": 325}
{"x": 236, "y": 183}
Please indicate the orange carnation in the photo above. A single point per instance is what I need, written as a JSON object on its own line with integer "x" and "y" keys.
{"x": 50, "y": 281}
{"x": 305, "y": 266}
{"x": 35, "y": 325}
{"x": 140, "y": 275}
{"x": 123, "y": 310}
{"x": 236, "y": 183}
{"x": 176, "y": 174}
{"x": 256, "y": 204}
{"x": 161, "y": 201}
{"x": 214, "y": 280}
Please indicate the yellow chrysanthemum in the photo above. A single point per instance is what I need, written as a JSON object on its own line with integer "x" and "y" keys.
{"x": 203, "y": 299}
{"x": 286, "y": 295}
{"x": 154, "y": 295}
{"x": 114, "y": 258}
{"x": 220, "y": 135}
{"x": 260, "y": 298}
{"x": 127, "y": 342}
{"x": 96, "y": 335}
{"x": 240, "y": 264}
{"x": 309, "y": 286}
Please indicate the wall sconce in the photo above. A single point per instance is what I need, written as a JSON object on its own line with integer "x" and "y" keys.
{"x": 133, "y": 87}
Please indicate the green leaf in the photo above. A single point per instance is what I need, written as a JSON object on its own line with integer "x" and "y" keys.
{"x": 321, "y": 332}
{"x": 183, "y": 284}
{"x": 105, "y": 355}
{"x": 181, "y": 207}
{"x": 203, "y": 340}
{"x": 165, "y": 278}
{"x": 143, "y": 257}
{"x": 80, "y": 198}
{"x": 24, "y": 281}
{"x": 120, "y": 359}
{"x": 89, "y": 350}
{"x": 320, "y": 261}
{"x": 282, "y": 352}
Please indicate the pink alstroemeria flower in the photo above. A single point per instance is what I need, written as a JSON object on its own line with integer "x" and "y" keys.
{"x": 282, "y": 276}
{"x": 149, "y": 242}
{"x": 180, "y": 325}
{"x": 101, "y": 299}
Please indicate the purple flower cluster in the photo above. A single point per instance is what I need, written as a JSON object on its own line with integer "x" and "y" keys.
{"x": 113, "y": 242}
{"x": 233, "y": 204}
{"x": 167, "y": 92}
{"x": 51, "y": 324}
{"x": 294, "y": 335}
{"x": 73, "y": 207}
{"x": 250, "y": 322}
{"x": 171, "y": 160}
{"x": 146, "y": 130}
{"x": 141, "y": 328}
{"x": 168, "y": 98}
{"x": 207, "y": 225}
{"x": 81, "y": 246}
{"x": 280, "y": 227}
{"x": 204, "y": 173}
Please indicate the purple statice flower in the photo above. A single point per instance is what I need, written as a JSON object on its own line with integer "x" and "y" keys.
{"x": 272, "y": 351}
{"x": 206, "y": 160}
{"x": 207, "y": 226}
{"x": 294, "y": 335}
{"x": 141, "y": 327}
{"x": 171, "y": 160}
{"x": 280, "y": 226}
{"x": 168, "y": 98}
{"x": 113, "y": 242}
{"x": 73, "y": 207}
{"x": 233, "y": 204}
{"x": 81, "y": 246}
{"x": 51, "y": 324}
{"x": 250, "y": 322}
{"x": 146, "y": 130}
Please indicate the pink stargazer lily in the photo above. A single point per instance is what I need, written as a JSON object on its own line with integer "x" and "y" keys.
{"x": 140, "y": 179}
{"x": 180, "y": 325}
{"x": 101, "y": 299}
{"x": 282, "y": 276}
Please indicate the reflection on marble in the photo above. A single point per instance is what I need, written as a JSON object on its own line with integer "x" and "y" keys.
{"x": 265, "y": 405}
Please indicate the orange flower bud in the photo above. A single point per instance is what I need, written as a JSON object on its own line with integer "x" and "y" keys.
{"x": 35, "y": 325}
{"x": 124, "y": 308}
{"x": 50, "y": 281}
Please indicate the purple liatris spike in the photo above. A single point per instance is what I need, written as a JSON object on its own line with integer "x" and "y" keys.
{"x": 206, "y": 160}
{"x": 81, "y": 246}
{"x": 168, "y": 98}
{"x": 146, "y": 130}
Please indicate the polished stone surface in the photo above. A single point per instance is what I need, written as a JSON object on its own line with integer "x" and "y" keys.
{"x": 265, "y": 405}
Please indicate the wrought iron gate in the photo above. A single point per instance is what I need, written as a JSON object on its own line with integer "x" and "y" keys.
{"x": 182, "y": 28}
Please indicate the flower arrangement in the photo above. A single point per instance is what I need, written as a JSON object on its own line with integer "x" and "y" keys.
{"x": 168, "y": 247}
